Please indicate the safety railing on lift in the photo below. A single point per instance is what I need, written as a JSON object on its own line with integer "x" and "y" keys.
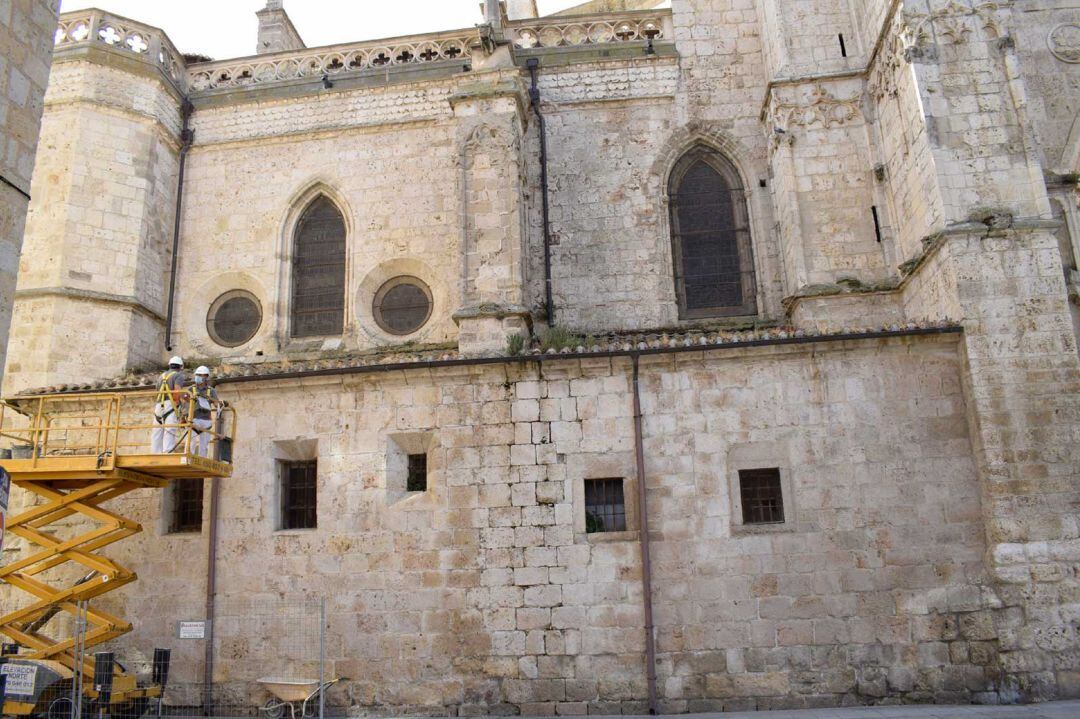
{"x": 110, "y": 424}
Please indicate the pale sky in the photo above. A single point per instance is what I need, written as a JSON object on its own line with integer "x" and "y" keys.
{"x": 226, "y": 28}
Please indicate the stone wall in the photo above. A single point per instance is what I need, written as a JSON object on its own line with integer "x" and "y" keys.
{"x": 489, "y": 589}
{"x": 26, "y": 30}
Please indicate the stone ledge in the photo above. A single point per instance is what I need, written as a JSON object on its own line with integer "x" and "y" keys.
{"x": 627, "y": 346}
{"x": 89, "y": 296}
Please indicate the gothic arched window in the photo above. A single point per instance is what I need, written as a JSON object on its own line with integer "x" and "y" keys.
{"x": 318, "y": 271}
{"x": 710, "y": 236}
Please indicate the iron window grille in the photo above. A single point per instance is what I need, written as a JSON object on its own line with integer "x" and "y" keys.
{"x": 762, "y": 496}
{"x": 417, "y": 480}
{"x": 187, "y": 506}
{"x": 318, "y": 272}
{"x": 234, "y": 318}
{"x": 710, "y": 235}
{"x": 298, "y": 495}
{"x": 605, "y": 510}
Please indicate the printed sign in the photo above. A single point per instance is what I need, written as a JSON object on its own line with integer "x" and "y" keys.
{"x": 5, "y": 492}
{"x": 192, "y": 630}
{"x": 20, "y": 678}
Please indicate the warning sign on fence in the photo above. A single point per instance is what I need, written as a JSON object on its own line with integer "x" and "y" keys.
{"x": 20, "y": 678}
{"x": 191, "y": 630}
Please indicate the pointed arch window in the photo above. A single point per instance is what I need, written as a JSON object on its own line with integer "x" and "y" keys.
{"x": 710, "y": 234}
{"x": 318, "y": 271}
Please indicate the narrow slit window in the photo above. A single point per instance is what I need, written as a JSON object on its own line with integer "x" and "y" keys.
{"x": 762, "y": 496}
{"x": 318, "y": 272}
{"x": 843, "y": 47}
{"x": 187, "y": 506}
{"x": 298, "y": 495}
{"x": 605, "y": 510}
{"x": 417, "y": 480}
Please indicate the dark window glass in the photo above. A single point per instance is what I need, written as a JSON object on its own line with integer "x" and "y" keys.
{"x": 604, "y": 507}
{"x": 298, "y": 495}
{"x": 402, "y": 305}
{"x": 762, "y": 498}
{"x": 318, "y": 283}
{"x": 714, "y": 273}
{"x": 234, "y": 319}
{"x": 417, "y": 481}
{"x": 187, "y": 506}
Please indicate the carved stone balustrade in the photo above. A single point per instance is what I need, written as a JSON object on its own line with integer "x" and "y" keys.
{"x": 96, "y": 28}
{"x": 583, "y": 30}
{"x": 446, "y": 47}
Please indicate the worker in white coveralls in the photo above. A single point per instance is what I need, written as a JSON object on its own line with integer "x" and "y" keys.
{"x": 168, "y": 408}
{"x": 206, "y": 400}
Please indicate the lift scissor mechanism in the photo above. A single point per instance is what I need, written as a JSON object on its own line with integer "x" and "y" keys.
{"x": 73, "y": 454}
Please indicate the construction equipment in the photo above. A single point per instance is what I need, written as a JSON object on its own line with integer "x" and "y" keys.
{"x": 299, "y": 696}
{"x": 75, "y": 453}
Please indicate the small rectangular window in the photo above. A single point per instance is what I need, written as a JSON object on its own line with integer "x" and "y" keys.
{"x": 187, "y": 504}
{"x": 417, "y": 480}
{"x": 605, "y": 510}
{"x": 298, "y": 495}
{"x": 762, "y": 497}
{"x": 843, "y": 47}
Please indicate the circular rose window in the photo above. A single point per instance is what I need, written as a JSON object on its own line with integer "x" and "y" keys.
{"x": 402, "y": 305}
{"x": 234, "y": 318}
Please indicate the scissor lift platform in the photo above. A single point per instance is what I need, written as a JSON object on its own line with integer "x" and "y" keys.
{"x": 158, "y": 466}
{"x": 76, "y": 452}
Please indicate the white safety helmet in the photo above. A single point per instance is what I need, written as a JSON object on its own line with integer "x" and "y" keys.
{"x": 177, "y": 361}
{"x": 203, "y": 371}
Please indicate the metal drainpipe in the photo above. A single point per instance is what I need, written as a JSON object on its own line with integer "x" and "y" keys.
{"x": 211, "y": 592}
{"x": 534, "y": 95}
{"x": 643, "y": 528}
{"x": 187, "y": 135}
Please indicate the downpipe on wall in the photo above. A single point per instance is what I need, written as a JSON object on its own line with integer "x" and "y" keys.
{"x": 534, "y": 96}
{"x": 211, "y": 595}
{"x": 643, "y": 529}
{"x": 187, "y": 135}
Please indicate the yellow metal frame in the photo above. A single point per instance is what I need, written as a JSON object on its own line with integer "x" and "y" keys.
{"x": 85, "y": 450}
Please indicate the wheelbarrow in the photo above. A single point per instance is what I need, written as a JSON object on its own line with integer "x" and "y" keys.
{"x": 300, "y": 696}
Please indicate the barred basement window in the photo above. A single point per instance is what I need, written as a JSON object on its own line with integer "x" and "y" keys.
{"x": 402, "y": 305}
{"x": 710, "y": 237}
{"x": 605, "y": 510}
{"x": 187, "y": 506}
{"x": 417, "y": 480}
{"x": 298, "y": 495}
{"x": 762, "y": 496}
{"x": 234, "y": 318}
{"x": 318, "y": 272}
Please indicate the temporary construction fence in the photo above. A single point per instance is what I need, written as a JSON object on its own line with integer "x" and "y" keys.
{"x": 253, "y": 658}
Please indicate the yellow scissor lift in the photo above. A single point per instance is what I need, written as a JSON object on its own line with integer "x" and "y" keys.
{"x": 76, "y": 452}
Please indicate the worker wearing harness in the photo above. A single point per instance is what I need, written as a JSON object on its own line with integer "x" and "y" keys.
{"x": 167, "y": 408}
{"x": 206, "y": 400}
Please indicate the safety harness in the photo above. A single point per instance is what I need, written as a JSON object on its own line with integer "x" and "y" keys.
{"x": 165, "y": 392}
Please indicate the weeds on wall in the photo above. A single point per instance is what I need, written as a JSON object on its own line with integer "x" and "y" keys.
{"x": 515, "y": 344}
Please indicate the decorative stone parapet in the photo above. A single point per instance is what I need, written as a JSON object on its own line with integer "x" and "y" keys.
{"x": 88, "y": 28}
{"x": 456, "y": 46}
{"x": 591, "y": 29}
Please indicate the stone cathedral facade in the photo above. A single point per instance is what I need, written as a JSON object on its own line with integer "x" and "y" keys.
{"x": 791, "y": 285}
